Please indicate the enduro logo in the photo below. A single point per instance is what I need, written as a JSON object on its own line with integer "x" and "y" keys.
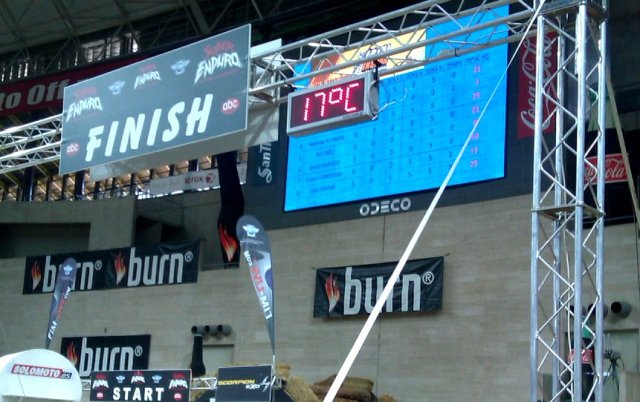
{"x": 86, "y": 100}
{"x": 148, "y": 73}
{"x": 223, "y": 56}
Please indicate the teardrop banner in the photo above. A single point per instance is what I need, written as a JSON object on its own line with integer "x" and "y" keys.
{"x": 64, "y": 284}
{"x": 256, "y": 249}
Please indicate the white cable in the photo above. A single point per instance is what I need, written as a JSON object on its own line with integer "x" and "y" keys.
{"x": 373, "y": 316}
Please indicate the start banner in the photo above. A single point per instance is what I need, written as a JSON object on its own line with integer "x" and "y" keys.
{"x": 147, "y": 385}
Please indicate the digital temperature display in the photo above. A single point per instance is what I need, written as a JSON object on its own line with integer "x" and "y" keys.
{"x": 338, "y": 103}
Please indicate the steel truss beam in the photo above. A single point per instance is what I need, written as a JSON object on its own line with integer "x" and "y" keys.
{"x": 568, "y": 205}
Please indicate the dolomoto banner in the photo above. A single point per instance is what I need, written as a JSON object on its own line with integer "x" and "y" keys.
{"x": 343, "y": 291}
{"x": 162, "y": 264}
{"x": 256, "y": 249}
{"x": 64, "y": 283}
{"x": 183, "y": 97}
{"x": 138, "y": 385}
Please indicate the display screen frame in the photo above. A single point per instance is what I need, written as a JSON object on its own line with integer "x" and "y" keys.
{"x": 498, "y": 126}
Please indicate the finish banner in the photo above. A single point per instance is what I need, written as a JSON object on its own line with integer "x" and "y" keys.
{"x": 256, "y": 249}
{"x": 347, "y": 291}
{"x": 182, "y": 97}
{"x": 107, "y": 353}
{"x": 148, "y": 385}
{"x": 244, "y": 384}
{"x": 64, "y": 283}
{"x": 163, "y": 264}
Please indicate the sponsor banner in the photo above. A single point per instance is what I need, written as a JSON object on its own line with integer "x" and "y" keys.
{"x": 107, "y": 353}
{"x": 138, "y": 385}
{"x": 41, "y": 371}
{"x": 353, "y": 290}
{"x": 191, "y": 181}
{"x": 244, "y": 384}
{"x": 64, "y": 283}
{"x": 184, "y": 96}
{"x": 527, "y": 86}
{"x": 263, "y": 164}
{"x": 162, "y": 264}
{"x": 615, "y": 171}
{"x": 231, "y": 208}
{"x": 256, "y": 249}
{"x": 46, "y": 91}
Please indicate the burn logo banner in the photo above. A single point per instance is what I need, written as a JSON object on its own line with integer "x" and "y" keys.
{"x": 354, "y": 290}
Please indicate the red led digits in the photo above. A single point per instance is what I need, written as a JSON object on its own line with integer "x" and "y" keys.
{"x": 331, "y": 105}
{"x": 341, "y": 95}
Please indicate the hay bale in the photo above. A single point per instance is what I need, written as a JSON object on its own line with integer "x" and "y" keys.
{"x": 359, "y": 383}
{"x": 300, "y": 391}
{"x": 387, "y": 398}
{"x": 346, "y": 392}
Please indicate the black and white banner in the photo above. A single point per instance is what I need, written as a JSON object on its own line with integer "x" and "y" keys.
{"x": 256, "y": 249}
{"x": 162, "y": 264}
{"x": 64, "y": 284}
{"x": 148, "y": 385}
{"x": 244, "y": 384}
{"x": 107, "y": 353}
{"x": 353, "y": 290}
{"x": 186, "y": 96}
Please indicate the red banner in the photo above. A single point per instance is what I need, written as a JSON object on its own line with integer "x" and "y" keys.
{"x": 614, "y": 170}
{"x": 46, "y": 91}
{"x": 527, "y": 86}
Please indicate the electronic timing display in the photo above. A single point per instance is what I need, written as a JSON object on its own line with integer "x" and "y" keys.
{"x": 425, "y": 117}
{"x": 337, "y": 103}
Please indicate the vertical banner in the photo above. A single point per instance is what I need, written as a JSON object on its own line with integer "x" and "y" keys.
{"x": 231, "y": 207}
{"x": 257, "y": 251}
{"x": 64, "y": 283}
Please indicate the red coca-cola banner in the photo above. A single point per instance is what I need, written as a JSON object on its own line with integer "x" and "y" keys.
{"x": 46, "y": 91}
{"x": 614, "y": 169}
{"x": 527, "y": 85}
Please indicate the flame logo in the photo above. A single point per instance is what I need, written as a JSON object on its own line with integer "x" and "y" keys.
{"x": 229, "y": 242}
{"x": 121, "y": 268}
{"x": 333, "y": 291}
{"x": 72, "y": 355}
{"x": 36, "y": 275}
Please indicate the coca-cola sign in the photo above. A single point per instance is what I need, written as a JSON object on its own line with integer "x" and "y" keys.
{"x": 614, "y": 169}
{"x": 527, "y": 86}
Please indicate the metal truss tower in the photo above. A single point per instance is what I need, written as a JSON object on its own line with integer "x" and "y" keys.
{"x": 567, "y": 216}
{"x": 567, "y": 277}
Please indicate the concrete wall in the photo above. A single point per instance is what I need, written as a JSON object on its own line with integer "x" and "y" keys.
{"x": 476, "y": 348}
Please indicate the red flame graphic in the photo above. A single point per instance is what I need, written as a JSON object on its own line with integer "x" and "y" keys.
{"x": 36, "y": 275}
{"x": 229, "y": 242}
{"x": 121, "y": 268}
{"x": 71, "y": 354}
{"x": 333, "y": 291}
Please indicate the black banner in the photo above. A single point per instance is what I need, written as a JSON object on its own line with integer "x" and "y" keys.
{"x": 163, "y": 264}
{"x": 148, "y": 385}
{"x": 353, "y": 290}
{"x": 244, "y": 384}
{"x": 64, "y": 284}
{"x": 107, "y": 353}
{"x": 256, "y": 249}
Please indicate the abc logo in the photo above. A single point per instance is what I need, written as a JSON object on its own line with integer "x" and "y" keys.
{"x": 230, "y": 106}
{"x": 73, "y": 149}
